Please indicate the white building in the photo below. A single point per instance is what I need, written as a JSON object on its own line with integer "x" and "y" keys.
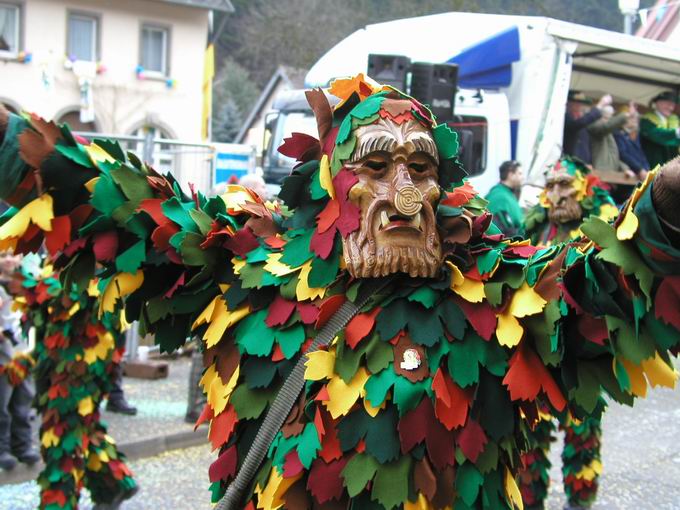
{"x": 108, "y": 66}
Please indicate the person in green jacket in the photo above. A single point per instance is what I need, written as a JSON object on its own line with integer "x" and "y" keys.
{"x": 503, "y": 202}
{"x": 660, "y": 130}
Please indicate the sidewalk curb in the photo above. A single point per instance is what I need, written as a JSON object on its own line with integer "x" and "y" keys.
{"x": 133, "y": 450}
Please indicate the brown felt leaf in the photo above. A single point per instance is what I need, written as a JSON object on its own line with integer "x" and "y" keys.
{"x": 401, "y": 346}
{"x": 322, "y": 111}
{"x": 547, "y": 285}
{"x": 424, "y": 478}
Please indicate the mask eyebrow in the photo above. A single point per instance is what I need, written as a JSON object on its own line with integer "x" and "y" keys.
{"x": 426, "y": 144}
{"x": 370, "y": 144}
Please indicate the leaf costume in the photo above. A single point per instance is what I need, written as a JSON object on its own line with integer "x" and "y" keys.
{"x": 256, "y": 281}
{"x": 581, "y": 464}
{"x": 74, "y": 354}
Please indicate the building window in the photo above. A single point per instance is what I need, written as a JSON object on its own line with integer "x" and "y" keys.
{"x": 82, "y": 37}
{"x": 154, "y": 51}
{"x": 72, "y": 118}
{"x": 9, "y": 28}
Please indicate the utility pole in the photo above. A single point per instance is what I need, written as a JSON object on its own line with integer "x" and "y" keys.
{"x": 629, "y": 9}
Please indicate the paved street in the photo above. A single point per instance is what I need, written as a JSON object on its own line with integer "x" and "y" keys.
{"x": 641, "y": 462}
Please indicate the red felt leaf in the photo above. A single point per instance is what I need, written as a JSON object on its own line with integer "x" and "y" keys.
{"x": 75, "y": 246}
{"x": 279, "y": 311}
{"x": 292, "y": 465}
{"x": 206, "y": 414}
{"x": 152, "y": 207}
{"x": 472, "y": 440}
{"x": 171, "y": 291}
{"x": 328, "y": 308}
{"x": 327, "y": 216}
{"x": 453, "y": 402}
{"x": 53, "y": 496}
{"x": 222, "y": 427}
{"x": 480, "y": 315}
{"x": 350, "y": 214}
{"x": 523, "y": 251}
{"x": 224, "y": 468}
{"x": 460, "y": 195}
{"x": 527, "y": 375}
{"x": 360, "y": 326}
{"x": 299, "y": 145}
{"x": 420, "y": 424}
{"x": 60, "y": 234}
{"x": 667, "y": 301}
{"x": 275, "y": 242}
{"x": 308, "y": 312}
{"x": 79, "y": 215}
{"x": 324, "y": 480}
{"x": 105, "y": 245}
{"x": 242, "y": 242}
{"x": 322, "y": 243}
{"x": 161, "y": 236}
{"x": 593, "y": 329}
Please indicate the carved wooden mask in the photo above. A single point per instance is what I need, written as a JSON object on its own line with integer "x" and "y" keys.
{"x": 397, "y": 168}
{"x": 561, "y": 197}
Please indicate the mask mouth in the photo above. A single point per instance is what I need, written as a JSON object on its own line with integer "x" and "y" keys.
{"x": 392, "y": 220}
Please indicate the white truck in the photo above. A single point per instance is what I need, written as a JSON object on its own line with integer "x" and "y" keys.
{"x": 514, "y": 76}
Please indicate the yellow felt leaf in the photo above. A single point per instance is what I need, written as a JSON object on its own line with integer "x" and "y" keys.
{"x": 419, "y": 504}
{"x": 368, "y": 407}
{"x": 512, "y": 491}
{"x": 85, "y": 406}
{"x": 319, "y": 365}
{"x": 303, "y": 291}
{"x": 325, "y": 177}
{"x": 73, "y": 310}
{"x": 659, "y": 373}
{"x": 89, "y": 185}
{"x": 97, "y": 154}
{"x": 470, "y": 290}
{"x": 103, "y": 456}
{"x": 237, "y": 264}
{"x": 217, "y": 392}
{"x": 38, "y": 211}
{"x": 638, "y": 384}
{"x": 591, "y": 471}
{"x": 274, "y": 265}
{"x": 608, "y": 212}
{"x": 508, "y": 330}
{"x": 121, "y": 285}
{"x": 271, "y": 497}
{"x": 342, "y": 396}
{"x": 628, "y": 226}
{"x": 93, "y": 463}
{"x": 235, "y": 196}
{"x": 49, "y": 438}
{"x": 101, "y": 349}
{"x": 92, "y": 289}
{"x": 457, "y": 277}
{"x": 221, "y": 319}
{"x": 526, "y": 301}
{"x": 205, "y": 314}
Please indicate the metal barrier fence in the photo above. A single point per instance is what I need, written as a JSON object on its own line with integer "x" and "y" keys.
{"x": 188, "y": 162}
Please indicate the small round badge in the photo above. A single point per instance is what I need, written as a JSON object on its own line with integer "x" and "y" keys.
{"x": 411, "y": 360}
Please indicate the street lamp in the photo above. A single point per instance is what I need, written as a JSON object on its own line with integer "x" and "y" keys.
{"x": 629, "y": 9}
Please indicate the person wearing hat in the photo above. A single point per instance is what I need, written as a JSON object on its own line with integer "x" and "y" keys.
{"x": 577, "y": 118}
{"x": 660, "y": 129}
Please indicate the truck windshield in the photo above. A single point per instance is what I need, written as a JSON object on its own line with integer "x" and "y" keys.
{"x": 288, "y": 123}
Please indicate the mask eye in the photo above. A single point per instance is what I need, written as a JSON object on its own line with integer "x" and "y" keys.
{"x": 418, "y": 168}
{"x": 376, "y": 165}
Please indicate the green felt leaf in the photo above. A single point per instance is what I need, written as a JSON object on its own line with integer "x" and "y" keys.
{"x": 315, "y": 189}
{"x": 258, "y": 372}
{"x": 347, "y": 360}
{"x": 259, "y": 254}
{"x": 192, "y": 253}
{"x": 626, "y": 343}
{"x": 202, "y": 220}
{"x": 250, "y": 404}
{"x": 488, "y": 459}
{"x": 342, "y": 153}
{"x": 468, "y": 482}
{"x": 309, "y": 445}
{"x": 135, "y": 186}
{"x": 131, "y": 259}
{"x": 665, "y": 335}
{"x": 296, "y": 251}
{"x": 407, "y": 394}
{"x": 446, "y": 140}
{"x": 379, "y": 354}
{"x": 494, "y": 292}
{"x": 75, "y": 153}
{"x": 588, "y": 391}
{"x": 179, "y": 213}
{"x": 253, "y": 336}
{"x": 344, "y": 131}
{"x": 112, "y": 147}
{"x": 424, "y": 295}
{"x": 380, "y": 433}
{"x": 368, "y": 107}
{"x": 391, "y": 483}
{"x": 453, "y": 318}
{"x": 290, "y": 340}
{"x": 487, "y": 261}
{"x": 378, "y": 385}
{"x": 325, "y": 271}
{"x": 358, "y": 472}
{"x": 106, "y": 196}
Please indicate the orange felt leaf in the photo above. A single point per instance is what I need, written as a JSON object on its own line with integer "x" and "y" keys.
{"x": 60, "y": 234}
{"x": 222, "y": 426}
{"x": 327, "y": 217}
{"x": 360, "y": 326}
{"x": 527, "y": 375}
{"x": 460, "y": 195}
{"x": 328, "y": 308}
{"x": 453, "y": 402}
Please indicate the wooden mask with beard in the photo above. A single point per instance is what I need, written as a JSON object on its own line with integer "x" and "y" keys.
{"x": 397, "y": 193}
{"x": 561, "y": 196}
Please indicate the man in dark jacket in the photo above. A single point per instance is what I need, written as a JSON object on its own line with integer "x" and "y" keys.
{"x": 630, "y": 149}
{"x": 576, "y": 120}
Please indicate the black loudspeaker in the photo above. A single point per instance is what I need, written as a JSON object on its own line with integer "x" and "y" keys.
{"x": 435, "y": 85}
{"x": 389, "y": 70}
